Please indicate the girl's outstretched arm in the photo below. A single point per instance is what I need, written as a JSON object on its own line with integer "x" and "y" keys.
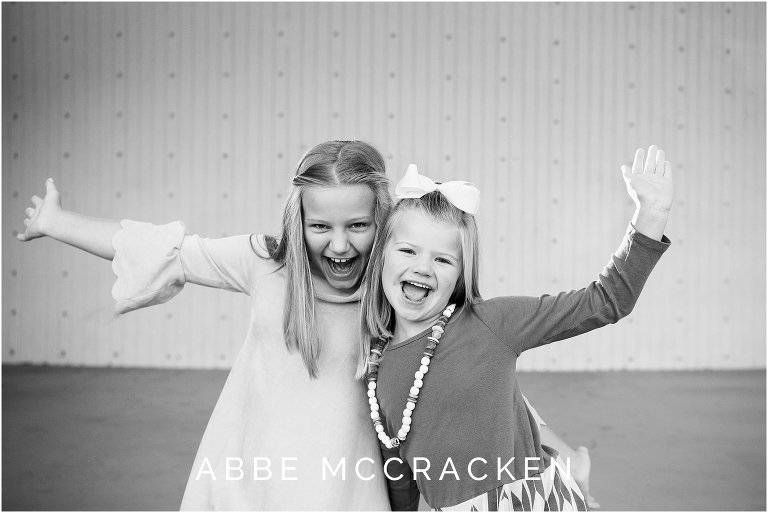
{"x": 46, "y": 218}
{"x": 650, "y": 186}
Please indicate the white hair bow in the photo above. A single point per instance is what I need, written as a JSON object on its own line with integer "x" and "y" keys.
{"x": 463, "y": 195}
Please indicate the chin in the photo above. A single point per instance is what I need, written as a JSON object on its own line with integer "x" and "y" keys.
{"x": 346, "y": 284}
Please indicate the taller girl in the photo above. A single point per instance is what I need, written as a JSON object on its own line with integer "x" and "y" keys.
{"x": 288, "y": 406}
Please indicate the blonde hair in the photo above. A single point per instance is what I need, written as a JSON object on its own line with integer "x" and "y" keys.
{"x": 377, "y": 316}
{"x": 332, "y": 163}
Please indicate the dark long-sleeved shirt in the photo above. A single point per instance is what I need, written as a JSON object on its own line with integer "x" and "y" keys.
{"x": 471, "y": 431}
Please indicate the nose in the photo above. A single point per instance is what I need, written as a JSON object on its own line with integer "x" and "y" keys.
{"x": 423, "y": 265}
{"x": 339, "y": 242}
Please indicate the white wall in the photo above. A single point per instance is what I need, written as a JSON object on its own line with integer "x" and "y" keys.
{"x": 200, "y": 112}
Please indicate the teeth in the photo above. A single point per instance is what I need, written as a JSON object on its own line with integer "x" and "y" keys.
{"x": 415, "y": 284}
{"x": 341, "y": 260}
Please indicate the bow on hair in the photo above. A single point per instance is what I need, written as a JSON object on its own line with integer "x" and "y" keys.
{"x": 463, "y": 195}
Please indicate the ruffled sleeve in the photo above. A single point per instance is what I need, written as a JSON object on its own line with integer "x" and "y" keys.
{"x": 147, "y": 264}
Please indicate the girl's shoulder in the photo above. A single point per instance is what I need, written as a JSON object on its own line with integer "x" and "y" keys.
{"x": 492, "y": 316}
{"x": 498, "y": 312}
{"x": 496, "y": 307}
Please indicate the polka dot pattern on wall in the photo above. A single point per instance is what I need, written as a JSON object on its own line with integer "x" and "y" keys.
{"x": 514, "y": 100}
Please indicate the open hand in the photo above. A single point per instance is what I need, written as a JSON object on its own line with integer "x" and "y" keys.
{"x": 41, "y": 212}
{"x": 649, "y": 184}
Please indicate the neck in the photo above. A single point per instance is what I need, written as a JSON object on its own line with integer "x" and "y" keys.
{"x": 323, "y": 287}
{"x": 405, "y": 329}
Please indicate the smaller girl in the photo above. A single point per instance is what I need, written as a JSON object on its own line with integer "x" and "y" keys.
{"x": 440, "y": 367}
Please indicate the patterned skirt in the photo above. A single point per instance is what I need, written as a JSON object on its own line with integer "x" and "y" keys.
{"x": 554, "y": 491}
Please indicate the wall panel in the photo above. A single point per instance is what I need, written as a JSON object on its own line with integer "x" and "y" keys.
{"x": 199, "y": 111}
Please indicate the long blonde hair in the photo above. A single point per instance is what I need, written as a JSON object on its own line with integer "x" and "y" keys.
{"x": 330, "y": 163}
{"x": 377, "y": 316}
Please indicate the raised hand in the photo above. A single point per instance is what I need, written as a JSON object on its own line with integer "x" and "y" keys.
{"x": 649, "y": 183}
{"x": 40, "y": 214}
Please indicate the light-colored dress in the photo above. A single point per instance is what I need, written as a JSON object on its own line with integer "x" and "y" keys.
{"x": 269, "y": 408}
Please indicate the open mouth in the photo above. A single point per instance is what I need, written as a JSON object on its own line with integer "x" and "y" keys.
{"x": 415, "y": 292}
{"x": 341, "y": 266}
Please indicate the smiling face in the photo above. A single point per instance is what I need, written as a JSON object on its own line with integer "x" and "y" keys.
{"x": 422, "y": 265}
{"x": 339, "y": 229}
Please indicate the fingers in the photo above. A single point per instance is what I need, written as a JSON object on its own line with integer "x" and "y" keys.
{"x": 667, "y": 169}
{"x": 654, "y": 162}
{"x": 658, "y": 167}
{"x": 22, "y": 237}
{"x": 27, "y": 222}
{"x": 650, "y": 161}
{"x": 36, "y": 200}
{"x": 49, "y": 186}
{"x": 637, "y": 165}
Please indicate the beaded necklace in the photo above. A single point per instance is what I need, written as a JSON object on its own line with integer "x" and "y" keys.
{"x": 413, "y": 396}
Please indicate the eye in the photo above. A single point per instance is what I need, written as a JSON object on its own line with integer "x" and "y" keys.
{"x": 318, "y": 226}
{"x": 359, "y": 226}
{"x": 443, "y": 260}
{"x": 407, "y": 251}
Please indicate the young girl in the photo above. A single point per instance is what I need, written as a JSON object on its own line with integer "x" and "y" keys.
{"x": 441, "y": 366}
{"x": 291, "y": 401}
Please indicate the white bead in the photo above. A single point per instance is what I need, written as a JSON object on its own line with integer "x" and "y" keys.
{"x": 419, "y": 375}
{"x": 372, "y": 385}
{"x": 414, "y": 391}
{"x": 372, "y": 400}
{"x": 409, "y": 405}
{"x": 371, "y": 393}
{"x": 406, "y": 429}
{"x": 401, "y": 434}
{"x": 425, "y": 360}
{"x": 418, "y": 383}
{"x": 379, "y": 429}
{"x": 438, "y": 329}
{"x": 375, "y": 407}
{"x": 436, "y": 335}
{"x": 388, "y": 444}
{"x": 423, "y": 369}
{"x": 375, "y": 415}
{"x": 406, "y": 421}
{"x": 407, "y": 412}
{"x": 382, "y": 435}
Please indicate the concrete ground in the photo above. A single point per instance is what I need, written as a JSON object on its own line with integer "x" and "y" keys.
{"x": 125, "y": 439}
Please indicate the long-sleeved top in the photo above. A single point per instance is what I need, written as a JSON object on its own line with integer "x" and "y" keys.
{"x": 471, "y": 431}
{"x": 269, "y": 408}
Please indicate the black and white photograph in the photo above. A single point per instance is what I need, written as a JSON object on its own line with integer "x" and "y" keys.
{"x": 384, "y": 256}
